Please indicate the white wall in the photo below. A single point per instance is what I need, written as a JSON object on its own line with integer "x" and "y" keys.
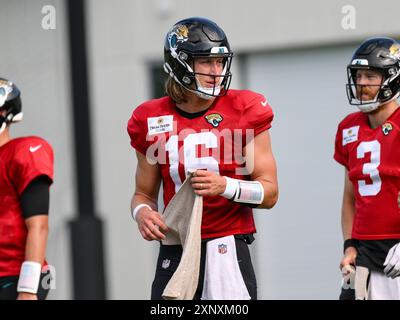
{"x": 298, "y": 247}
{"x": 254, "y": 24}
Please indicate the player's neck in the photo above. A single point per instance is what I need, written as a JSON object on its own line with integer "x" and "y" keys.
{"x": 4, "y": 137}
{"x": 379, "y": 116}
{"x": 195, "y": 104}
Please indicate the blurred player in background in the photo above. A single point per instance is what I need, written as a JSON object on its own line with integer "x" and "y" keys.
{"x": 204, "y": 126}
{"x": 368, "y": 146}
{"x": 26, "y": 173}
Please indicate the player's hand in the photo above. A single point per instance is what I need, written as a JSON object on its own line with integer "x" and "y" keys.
{"x": 349, "y": 257}
{"x": 207, "y": 183}
{"x": 392, "y": 262}
{"x": 151, "y": 224}
{"x": 349, "y": 275}
{"x": 26, "y": 296}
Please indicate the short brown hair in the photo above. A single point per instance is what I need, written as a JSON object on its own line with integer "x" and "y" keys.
{"x": 175, "y": 91}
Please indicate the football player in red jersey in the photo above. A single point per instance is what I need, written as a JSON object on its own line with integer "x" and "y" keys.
{"x": 26, "y": 173}
{"x": 368, "y": 146}
{"x": 220, "y": 133}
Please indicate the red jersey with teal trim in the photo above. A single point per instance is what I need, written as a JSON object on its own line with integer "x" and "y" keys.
{"x": 213, "y": 141}
{"x": 21, "y": 161}
{"x": 372, "y": 158}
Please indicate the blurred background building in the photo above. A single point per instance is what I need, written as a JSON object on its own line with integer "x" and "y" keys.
{"x": 294, "y": 52}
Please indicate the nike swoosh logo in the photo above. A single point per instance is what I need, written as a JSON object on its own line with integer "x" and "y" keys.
{"x": 264, "y": 103}
{"x": 34, "y": 149}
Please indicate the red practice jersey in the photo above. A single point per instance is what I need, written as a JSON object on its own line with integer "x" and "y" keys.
{"x": 211, "y": 141}
{"x": 372, "y": 158}
{"x": 21, "y": 161}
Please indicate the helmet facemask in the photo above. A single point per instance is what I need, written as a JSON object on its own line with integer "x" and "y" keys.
{"x": 386, "y": 90}
{"x": 222, "y": 81}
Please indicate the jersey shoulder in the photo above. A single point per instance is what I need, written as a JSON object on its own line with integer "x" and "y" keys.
{"x": 153, "y": 107}
{"x": 395, "y": 118}
{"x": 138, "y": 124}
{"x": 252, "y": 108}
{"x": 27, "y": 158}
{"x": 353, "y": 119}
{"x": 24, "y": 145}
{"x": 31, "y": 140}
{"x": 243, "y": 99}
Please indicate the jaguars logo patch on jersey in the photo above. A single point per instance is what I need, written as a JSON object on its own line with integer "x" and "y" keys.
{"x": 214, "y": 119}
{"x": 386, "y": 128}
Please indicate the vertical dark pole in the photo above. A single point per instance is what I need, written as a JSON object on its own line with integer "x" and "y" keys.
{"x": 86, "y": 229}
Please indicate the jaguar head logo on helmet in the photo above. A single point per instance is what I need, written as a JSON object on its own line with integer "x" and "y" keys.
{"x": 178, "y": 34}
{"x": 10, "y": 104}
{"x": 380, "y": 57}
{"x": 191, "y": 39}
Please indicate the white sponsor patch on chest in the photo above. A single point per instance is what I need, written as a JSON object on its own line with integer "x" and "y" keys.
{"x": 350, "y": 135}
{"x": 161, "y": 124}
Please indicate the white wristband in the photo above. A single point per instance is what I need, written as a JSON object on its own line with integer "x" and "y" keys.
{"x": 137, "y": 208}
{"x": 29, "y": 277}
{"x": 231, "y": 186}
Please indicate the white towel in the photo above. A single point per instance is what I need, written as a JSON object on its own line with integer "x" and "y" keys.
{"x": 383, "y": 288}
{"x": 183, "y": 218}
{"x": 360, "y": 283}
{"x": 223, "y": 279}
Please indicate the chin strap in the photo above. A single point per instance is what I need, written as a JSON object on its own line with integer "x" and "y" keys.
{"x": 9, "y": 118}
{"x": 3, "y": 124}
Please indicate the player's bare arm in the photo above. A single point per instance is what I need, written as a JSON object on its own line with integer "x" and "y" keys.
{"x": 348, "y": 211}
{"x": 263, "y": 167}
{"x": 148, "y": 180}
{"x": 38, "y": 229}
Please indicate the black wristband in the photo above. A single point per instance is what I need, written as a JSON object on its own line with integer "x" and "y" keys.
{"x": 349, "y": 243}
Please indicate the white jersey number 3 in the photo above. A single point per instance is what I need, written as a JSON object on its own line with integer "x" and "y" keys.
{"x": 370, "y": 168}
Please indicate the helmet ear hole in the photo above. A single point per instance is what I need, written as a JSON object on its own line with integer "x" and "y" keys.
{"x": 186, "y": 80}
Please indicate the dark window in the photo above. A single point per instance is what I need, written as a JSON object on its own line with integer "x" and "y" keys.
{"x": 158, "y": 78}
